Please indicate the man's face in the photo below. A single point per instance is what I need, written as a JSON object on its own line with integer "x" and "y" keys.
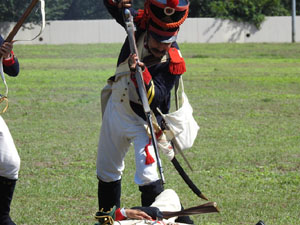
{"x": 157, "y": 48}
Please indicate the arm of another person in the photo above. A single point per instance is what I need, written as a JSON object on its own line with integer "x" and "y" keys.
{"x": 10, "y": 61}
{"x": 122, "y": 214}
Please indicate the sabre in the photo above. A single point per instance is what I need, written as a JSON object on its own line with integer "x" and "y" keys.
{"x": 187, "y": 180}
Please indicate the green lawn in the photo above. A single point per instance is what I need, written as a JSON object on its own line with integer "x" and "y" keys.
{"x": 246, "y": 99}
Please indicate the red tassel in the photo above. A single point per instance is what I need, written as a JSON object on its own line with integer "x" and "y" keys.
{"x": 177, "y": 64}
{"x": 149, "y": 158}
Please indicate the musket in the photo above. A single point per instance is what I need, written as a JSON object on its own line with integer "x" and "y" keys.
{"x": 209, "y": 207}
{"x": 130, "y": 28}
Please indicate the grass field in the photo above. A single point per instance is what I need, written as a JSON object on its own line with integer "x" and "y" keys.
{"x": 246, "y": 99}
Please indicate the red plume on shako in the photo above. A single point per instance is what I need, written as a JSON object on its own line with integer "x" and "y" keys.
{"x": 172, "y": 3}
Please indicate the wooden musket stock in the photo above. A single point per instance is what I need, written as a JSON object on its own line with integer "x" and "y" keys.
{"x": 210, "y": 207}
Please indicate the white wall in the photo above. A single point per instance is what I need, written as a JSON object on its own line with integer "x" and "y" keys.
{"x": 194, "y": 30}
{"x": 209, "y": 30}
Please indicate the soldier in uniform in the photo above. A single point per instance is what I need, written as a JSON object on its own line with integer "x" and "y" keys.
{"x": 9, "y": 158}
{"x": 123, "y": 118}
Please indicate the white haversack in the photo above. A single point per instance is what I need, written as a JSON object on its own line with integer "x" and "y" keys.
{"x": 181, "y": 124}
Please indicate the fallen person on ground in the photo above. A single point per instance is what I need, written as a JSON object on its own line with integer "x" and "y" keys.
{"x": 162, "y": 211}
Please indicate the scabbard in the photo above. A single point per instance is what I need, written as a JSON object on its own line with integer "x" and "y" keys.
{"x": 186, "y": 179}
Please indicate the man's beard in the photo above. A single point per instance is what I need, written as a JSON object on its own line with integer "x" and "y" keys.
{"x": 157, "y": 52}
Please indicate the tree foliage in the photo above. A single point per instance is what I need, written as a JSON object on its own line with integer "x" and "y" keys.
{"x": 11, "y": 10}
{"x": 251, "y": 11}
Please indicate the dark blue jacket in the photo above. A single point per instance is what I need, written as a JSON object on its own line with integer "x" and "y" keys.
{"x": 12, "y": 70}
{"x": 162, "y": 78}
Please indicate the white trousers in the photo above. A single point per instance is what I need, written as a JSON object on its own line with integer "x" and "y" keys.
{"x": 121, "y": 127}
{"x": 9, "y": 157}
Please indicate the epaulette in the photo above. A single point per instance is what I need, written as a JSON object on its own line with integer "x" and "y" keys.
{"x": 177, "y": 64}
